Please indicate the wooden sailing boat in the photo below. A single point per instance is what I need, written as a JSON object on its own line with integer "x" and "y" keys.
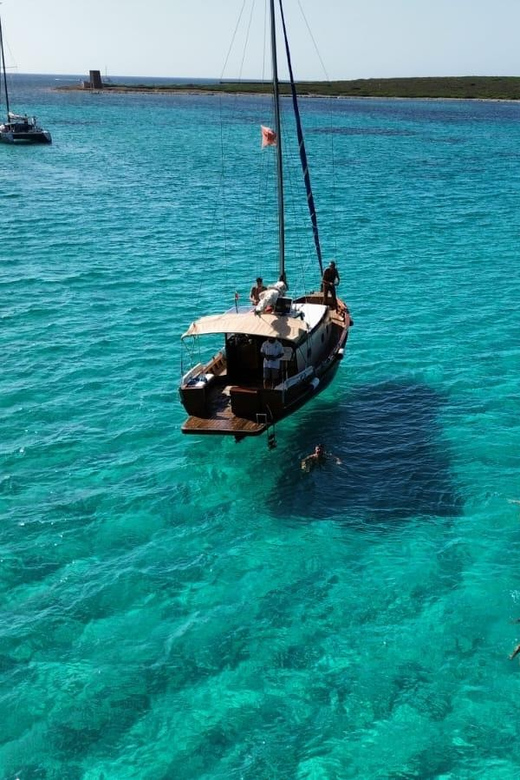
{"x": 18, "y": 129}
{"x": 227, "y": 395}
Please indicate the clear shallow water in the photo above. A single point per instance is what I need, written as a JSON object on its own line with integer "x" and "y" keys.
{"x": 174, "y": 607}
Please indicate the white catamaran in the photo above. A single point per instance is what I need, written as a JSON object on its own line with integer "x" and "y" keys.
{"x": 17, "y": 128}
{"x": 227, "y": 395}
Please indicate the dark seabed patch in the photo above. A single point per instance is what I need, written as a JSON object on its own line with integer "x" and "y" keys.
{"x": 393, "y": 465}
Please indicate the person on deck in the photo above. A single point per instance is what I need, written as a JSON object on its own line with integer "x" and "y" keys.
{"x": 272, "y": 352}
{"x": 269, "y": 296}
{"x": 256, "y": 289}
{"x": 318, "y": 458}
{"x": 329, "y": 283}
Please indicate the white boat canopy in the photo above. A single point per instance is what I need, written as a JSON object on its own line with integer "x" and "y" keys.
{"x": 250, "y": 324}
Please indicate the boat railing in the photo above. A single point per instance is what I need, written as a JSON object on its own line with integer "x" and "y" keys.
{"x": 193, "y": 372}
{"x": 297, "y": 379}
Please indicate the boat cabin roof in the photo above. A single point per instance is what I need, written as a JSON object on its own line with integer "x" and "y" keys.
{"x": 251, "y": 324}
{"x": 312, "y": 313}
{"x": 281, "y": 326}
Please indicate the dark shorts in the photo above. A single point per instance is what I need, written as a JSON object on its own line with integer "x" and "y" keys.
{"x": 271, "y": 373}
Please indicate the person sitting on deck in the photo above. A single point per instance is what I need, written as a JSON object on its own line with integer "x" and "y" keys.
{"x": 269, "y": 297}
{"x": 318, "y": 458}
{"x": 256, "y": 289}
{"x": 272, "y": 351}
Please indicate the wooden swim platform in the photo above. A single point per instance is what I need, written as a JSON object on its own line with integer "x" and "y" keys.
{"x": 222, "y": 420}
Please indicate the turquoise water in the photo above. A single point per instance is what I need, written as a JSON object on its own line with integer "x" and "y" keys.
{"x": 188, "y": 608}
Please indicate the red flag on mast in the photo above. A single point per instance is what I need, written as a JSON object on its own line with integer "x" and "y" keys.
{"x": 268, "y": 136}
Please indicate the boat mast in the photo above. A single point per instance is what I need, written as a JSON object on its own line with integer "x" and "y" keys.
{"x": 3, "y": 70}
{"x": 277, "y": 125}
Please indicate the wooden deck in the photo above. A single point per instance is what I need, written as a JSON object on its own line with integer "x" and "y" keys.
{"x": 222, "y": 420}
{"x": 215, "y": 404}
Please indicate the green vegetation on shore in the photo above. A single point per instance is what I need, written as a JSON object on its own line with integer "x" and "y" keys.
{"x": 460, "y": 87}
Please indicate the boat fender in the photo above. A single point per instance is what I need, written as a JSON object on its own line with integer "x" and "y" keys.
{"x": 314, "y": 383}
{"x": 341, "y": 353}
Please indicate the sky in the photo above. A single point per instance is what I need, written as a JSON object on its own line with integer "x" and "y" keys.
{"x": 192, "y": 38}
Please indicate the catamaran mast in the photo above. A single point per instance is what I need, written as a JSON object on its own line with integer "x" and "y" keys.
{"x": 277, "y": 125}
{"x": 3, "y": 70}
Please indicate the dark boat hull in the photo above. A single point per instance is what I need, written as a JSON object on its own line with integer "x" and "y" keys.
{"x": 25, "y": 138}
{"x": 224, "y": 409}
{"x": 240, "y": 427}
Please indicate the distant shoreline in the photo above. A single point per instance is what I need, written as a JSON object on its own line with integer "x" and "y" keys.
{"x": 456, "y": 87}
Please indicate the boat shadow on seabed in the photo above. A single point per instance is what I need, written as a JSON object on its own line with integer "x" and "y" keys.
{"x": 393, "y": 464}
